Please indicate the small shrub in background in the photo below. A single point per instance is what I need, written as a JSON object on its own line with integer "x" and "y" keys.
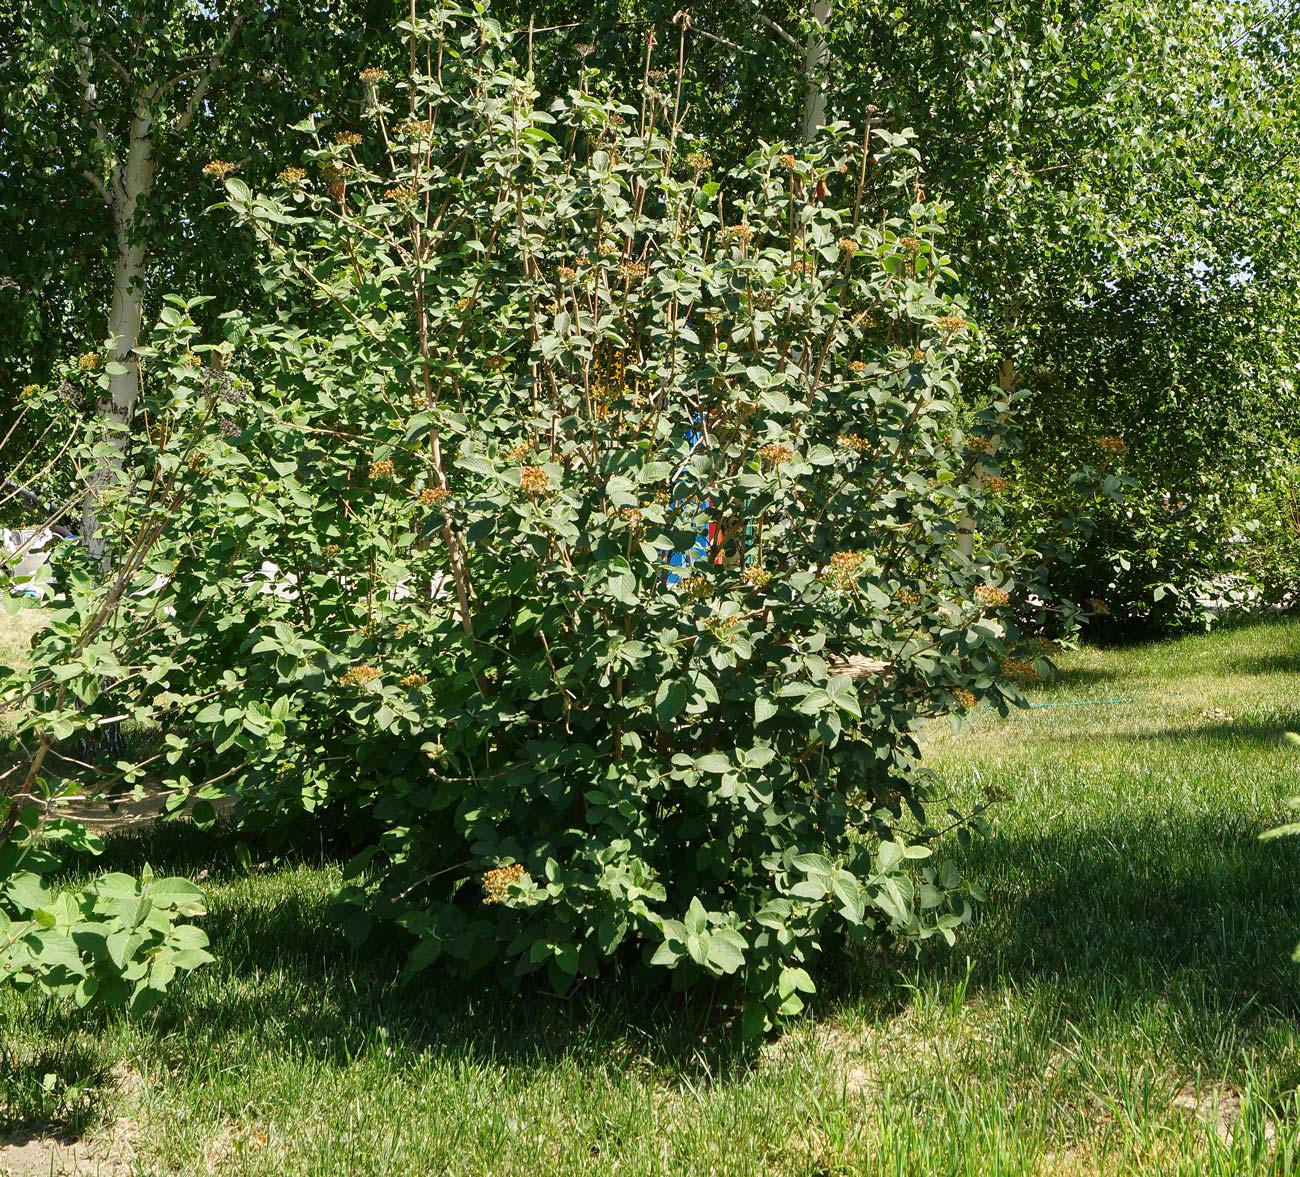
{"x": 578, "y": 542}
{"x": 1268, "y": 547}
{"x": 114, "y": 941}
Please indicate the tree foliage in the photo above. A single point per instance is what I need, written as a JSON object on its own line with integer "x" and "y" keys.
{"x": 116, "y": 122}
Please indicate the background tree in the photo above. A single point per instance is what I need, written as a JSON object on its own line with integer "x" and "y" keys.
{"x": 116, "y": 123}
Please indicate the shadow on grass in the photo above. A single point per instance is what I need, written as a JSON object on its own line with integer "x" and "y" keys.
{"x": 1152, "y": 910}
{"x": 1181, "y": 911}
{"x": 1079, "y": 678}
{"x": 55, "y": 1091}
{"x": 287, "y": 978}
{"x": 1281, "y": 663}
{"x": 1267, "y": 731}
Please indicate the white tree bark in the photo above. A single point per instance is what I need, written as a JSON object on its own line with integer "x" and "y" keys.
{"x": 130, "y": 184}
{"x": 816, "y": 57}
{"x": 123, "y": 175}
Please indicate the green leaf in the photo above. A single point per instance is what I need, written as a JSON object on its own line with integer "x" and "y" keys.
{"x": 726, "y": 953}
{"x": 55, "y": 951}
{"x": 852, "y": 898}
{"x": 793, "y": 979}
{"x": 27, "y": 892}
{"x": 670, "y": 702}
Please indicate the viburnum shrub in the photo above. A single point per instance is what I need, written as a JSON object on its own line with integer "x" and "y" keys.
{"x": 580, "y": 540}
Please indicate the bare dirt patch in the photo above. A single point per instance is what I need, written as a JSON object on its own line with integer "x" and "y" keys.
{"x": 65, "y": 1156}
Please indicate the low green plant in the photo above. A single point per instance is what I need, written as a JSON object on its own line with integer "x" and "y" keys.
{"x": 116, "y": 940}
{"x": 579, "y": 544}
{"x": 1268, "y": 515}
{"x": 1136, "y": 561}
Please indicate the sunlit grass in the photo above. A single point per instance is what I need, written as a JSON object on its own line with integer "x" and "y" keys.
{"x": 16, "y": 632}
{"x": 1124, "y": 1003}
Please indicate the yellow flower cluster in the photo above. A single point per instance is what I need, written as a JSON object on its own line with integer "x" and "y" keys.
{"x": 292, "y": 176}
{"x": 997, "y": 484}
{"x": 415, "y": 680}
{"x": 775, "y": 453}
{"x": 29, "y": 391}
{"x": 496, "y": 882}
{"x": 741, "y": 233}
{"x": 609, "y": 377}
{"x": 910, "y": 244}
{"x": 787, "y": 161}
{"x": 566, "y": 274}
{"x": 630, "y": 516}
{"x": 857, "y": 367}
{"x": 859, "y": 445}
{"x": 964, "y": 697}
{"x": 347, "y": 139}
{"x": 698, "y": 162}
{"x": 607, "y": 249}
{"x": 1019, "y": 670}
{"x": 951, "y": 323}
{"x": 534, "y": 480}
{"x": 756, "y": 576}
{"x": 632, "y": 271}
{"x": 849, "y": 246}
{"x": 383, "y": 468}
{"x": 372, "y": 75}
{"x": 1112, "y": 445}
{"x": 400, "y": 193}
{"x": 990, "y": 597}
{"x": 90, "y": 361}
{"x": 329, "y": 551}
{"x": 359, "y": 676}
{"x": 722, "y": 628}
{"x": 432, "y": 496}
{"x": 843, "y": 569}
{"x": 218, "y": 169}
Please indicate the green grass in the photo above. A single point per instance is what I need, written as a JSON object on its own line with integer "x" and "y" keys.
{"x": 1124, "y": 1003}
{"x": 16, "y": 632}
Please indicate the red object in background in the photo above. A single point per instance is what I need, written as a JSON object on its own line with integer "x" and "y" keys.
{"x": 716, "y": 540}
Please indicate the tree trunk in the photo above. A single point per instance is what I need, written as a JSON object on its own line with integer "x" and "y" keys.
{"x": 131, "y": 183}
{"x": 816, "y": 56}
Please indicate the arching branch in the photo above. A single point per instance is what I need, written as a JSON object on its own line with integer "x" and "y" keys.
{"x": 200, "y": 91}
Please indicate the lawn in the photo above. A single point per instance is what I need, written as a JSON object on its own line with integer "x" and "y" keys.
{"x": 16, "y": 632}
{"x": 1125, "y": 1001}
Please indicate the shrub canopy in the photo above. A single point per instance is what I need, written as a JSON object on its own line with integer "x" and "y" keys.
{"x": 580, "y": 538}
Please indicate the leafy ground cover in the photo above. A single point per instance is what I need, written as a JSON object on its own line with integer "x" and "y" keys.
{"x": 1124, "y": 1003}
